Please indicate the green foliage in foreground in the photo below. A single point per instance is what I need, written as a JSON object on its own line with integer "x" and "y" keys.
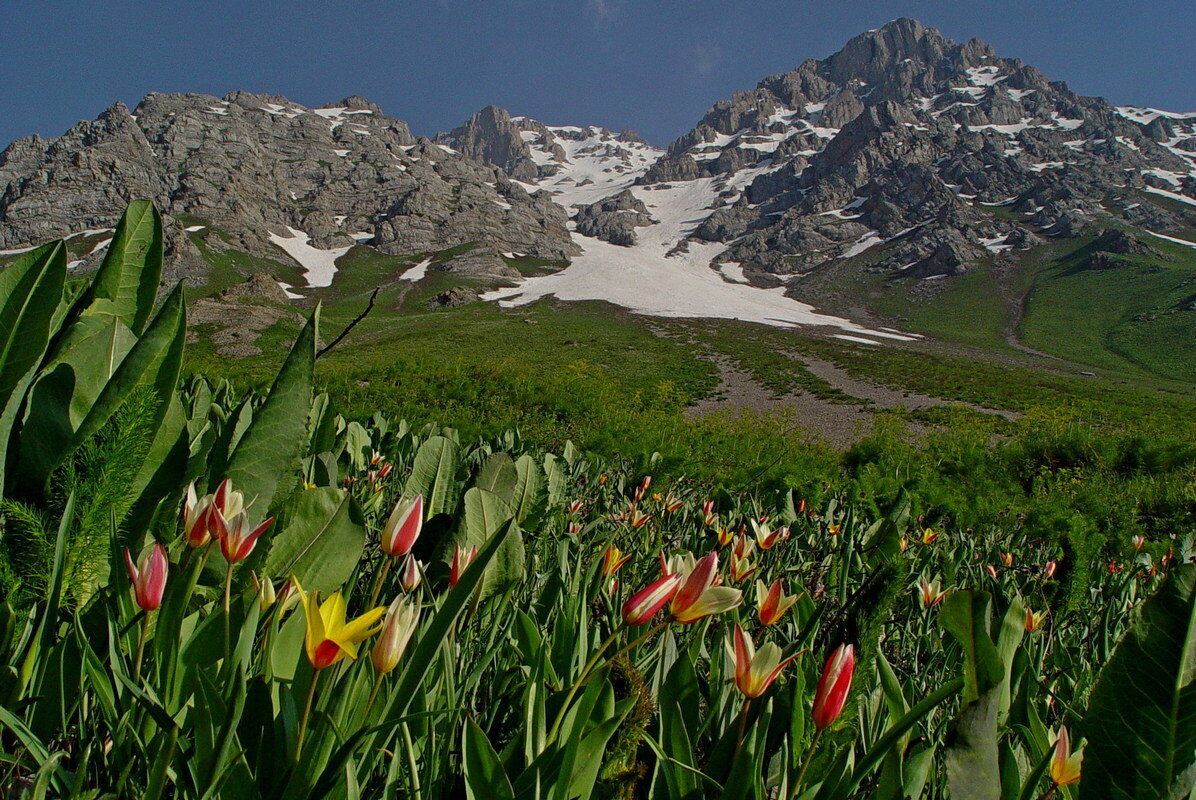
{"x": 522, "y": 678}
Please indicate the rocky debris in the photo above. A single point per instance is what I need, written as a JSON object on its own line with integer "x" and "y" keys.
{"x": 238, "y": 315}
{"x": 613, "y": 219}
{"x": 1119, "y": 242}
{"x": 247, "y": 164}
{"x": 454, "y": 298}
{"x": 258, "y": 287}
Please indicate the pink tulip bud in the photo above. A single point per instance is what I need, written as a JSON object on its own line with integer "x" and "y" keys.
{"x": 403, "y": 527}
{"x": 148, "y": 576}
{"x": 197, "y": 518}
{"x": 643, "y": 605}
{"x": 1049, "y": 570}
{"x": 834, "y": 686}
{"x": 410, "y": 576}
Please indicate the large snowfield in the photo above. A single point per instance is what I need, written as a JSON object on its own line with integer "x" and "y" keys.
{"x": 645, "y": 278}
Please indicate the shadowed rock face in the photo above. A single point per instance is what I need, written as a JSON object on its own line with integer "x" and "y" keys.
{"x": 254, "y": 164}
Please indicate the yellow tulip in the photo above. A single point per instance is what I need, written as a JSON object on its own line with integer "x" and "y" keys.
{"x": 329, "y": 637}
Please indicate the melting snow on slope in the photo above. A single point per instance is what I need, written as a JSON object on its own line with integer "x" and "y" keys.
{"x": 645, "y": 280}
{"x": 417, "y": 272}
{"x": 1173, "y": 239}
{"x": 319, "y": 265}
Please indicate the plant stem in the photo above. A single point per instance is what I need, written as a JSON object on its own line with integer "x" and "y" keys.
{"x": 743, "y": 715}
{"x": 311, "y": 693}
{"x": 228, "y": 586}
{"x": 378, "y": 581}
{"x": 374, "y": 692}
{"x": 140, "y": 646}
{"x": 801, "y": 776}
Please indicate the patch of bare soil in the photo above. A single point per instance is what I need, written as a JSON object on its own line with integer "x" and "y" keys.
{"x": 840, "y": 424}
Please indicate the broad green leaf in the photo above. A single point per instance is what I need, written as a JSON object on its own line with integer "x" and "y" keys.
{"x": 485, "y": 778}
{"x": 127, "y": 282}
{"x": 271, "y": 446}
{"x": 485, "y": 513}
{"x": 965, "y": 614}
{"x": 555, "y": 472}
{"x": 529, "y": 496}
{"x": 498, "y": 475}
{"x": 322, "y": 541}
{"x": 64, "y": 391}
{"x": 153, "y": 361}
{"x": 433, "y": 474}
{"x": 1141, "y": 721}
{"x": 30, "y": 292}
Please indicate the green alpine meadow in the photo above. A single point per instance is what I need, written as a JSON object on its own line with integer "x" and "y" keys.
{"x": 844, "y": 449}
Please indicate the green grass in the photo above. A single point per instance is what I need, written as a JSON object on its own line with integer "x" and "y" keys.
{"x": 1131, "y": 319}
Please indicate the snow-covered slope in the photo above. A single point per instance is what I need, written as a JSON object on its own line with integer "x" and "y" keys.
{"x": 661, "y": 274}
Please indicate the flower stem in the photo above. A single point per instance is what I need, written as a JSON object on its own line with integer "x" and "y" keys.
{"x": 140, "y": 646}
{"x": 382, "y": 573}
{"x": 801, "y": 776}
{"x": 743, "y": 715}
{"x": 311, "y": 693}
{"x": 374, "y": 692}
{"x": 228, "y": 587}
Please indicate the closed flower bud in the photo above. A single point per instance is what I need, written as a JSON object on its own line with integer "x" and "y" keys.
{"x": 148, "y": 576}
{"x": 400, "y": 623}
{"x": 834, "y": 686}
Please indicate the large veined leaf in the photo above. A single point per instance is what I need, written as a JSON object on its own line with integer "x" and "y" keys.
{"x": 270, "y": 448}
{"x": 529, "y": 496}
{"x": 485, "y": 514}
{"x": 30, "y": 292}
{"x": 127, "y": 282}
{"x": 63, "y": 392}
{"x": 498, "y": 475}
{"x": 321, "y": 542}
{"x": 433, "y": 474}
{"x": 1141, "y": 721}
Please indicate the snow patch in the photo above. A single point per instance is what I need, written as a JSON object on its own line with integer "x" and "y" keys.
{"x": 319, "y": 265}
{"x": 417, "y": 272}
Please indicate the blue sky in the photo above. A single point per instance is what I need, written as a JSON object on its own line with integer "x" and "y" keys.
{"x": 651, "y": 66}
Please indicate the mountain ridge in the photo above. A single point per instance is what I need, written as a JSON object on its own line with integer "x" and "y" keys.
{"x": 903, "y": 154}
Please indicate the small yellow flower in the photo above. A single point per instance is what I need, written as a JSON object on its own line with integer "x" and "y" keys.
{"x": 329, "y": 637}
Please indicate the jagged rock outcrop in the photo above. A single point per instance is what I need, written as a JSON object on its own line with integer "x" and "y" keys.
{"x": 613, "y": 219}
{"x": 250, "y": 165}
{"x": 904, "y": 130}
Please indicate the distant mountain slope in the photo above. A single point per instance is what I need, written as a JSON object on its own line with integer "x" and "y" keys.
{"x": 260, "y": 166}
{"x": 828, "y": 195}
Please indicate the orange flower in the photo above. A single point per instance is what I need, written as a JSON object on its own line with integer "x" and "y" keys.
{"x": 1065, "y": 765}
{"x": 772, "y": 602}
{"x": 700, "y": 596}
{"x": 755, "y": 670}
{"x": 929, "y": 535}
{"x": 1034, "y": 620}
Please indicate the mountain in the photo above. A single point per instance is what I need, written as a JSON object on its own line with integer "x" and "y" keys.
{"x": 905, "y": 134}
{"x": 272, "y": 177}
{"x": 903, "y": 157}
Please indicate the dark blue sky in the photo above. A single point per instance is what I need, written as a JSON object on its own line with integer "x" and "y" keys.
{"x": 651, "y": 66}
